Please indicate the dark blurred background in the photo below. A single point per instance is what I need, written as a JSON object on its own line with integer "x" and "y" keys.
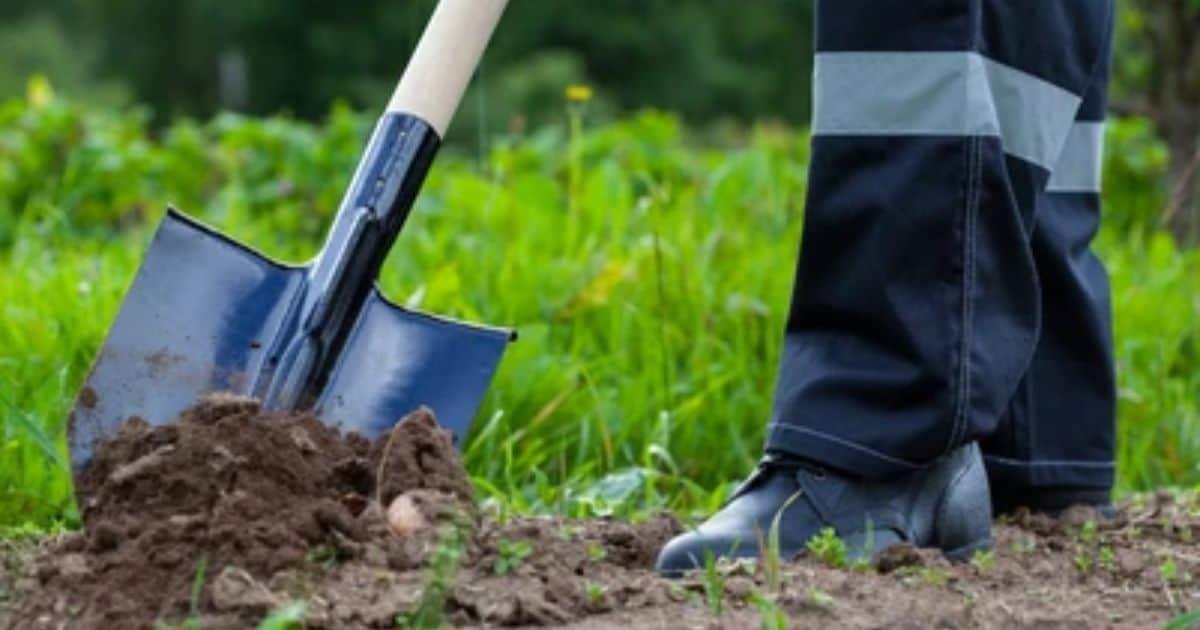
{"x": 700, "y": 58}
{"x": 710, "y": 61}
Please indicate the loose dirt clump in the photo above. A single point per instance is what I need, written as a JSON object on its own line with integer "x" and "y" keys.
{"x": 226, "y": 485}
{"x": 229, "y": 513}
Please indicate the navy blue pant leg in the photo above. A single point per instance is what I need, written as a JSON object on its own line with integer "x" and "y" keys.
{"x": 917, "y": 307}
{"x": 1059, "y": 428}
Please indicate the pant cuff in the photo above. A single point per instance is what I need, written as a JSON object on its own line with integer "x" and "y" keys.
{"x": 1007, "y": 473}
{"x": 835, "y": 452}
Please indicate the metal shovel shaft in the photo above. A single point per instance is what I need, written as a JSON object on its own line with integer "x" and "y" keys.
{"x": 381, "y": 193}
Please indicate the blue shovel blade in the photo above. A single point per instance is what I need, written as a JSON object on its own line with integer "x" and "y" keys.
{"x": 203, "y": 311}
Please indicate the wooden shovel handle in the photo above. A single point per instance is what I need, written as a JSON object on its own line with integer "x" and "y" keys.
{"x": 445, "y": 58}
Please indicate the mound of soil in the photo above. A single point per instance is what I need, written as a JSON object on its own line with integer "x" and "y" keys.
{"x": 261, "y": 509}
{"x": 230, "y": 513}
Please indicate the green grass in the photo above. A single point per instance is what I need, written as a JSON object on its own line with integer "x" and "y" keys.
{"x": 647, "y": 269}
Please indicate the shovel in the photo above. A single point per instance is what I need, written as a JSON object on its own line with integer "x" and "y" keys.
{"x": 208, "y": 314}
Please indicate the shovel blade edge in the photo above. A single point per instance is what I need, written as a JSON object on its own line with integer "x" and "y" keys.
{"x": 201, "y": 314}
{"x": 398, "y": 359}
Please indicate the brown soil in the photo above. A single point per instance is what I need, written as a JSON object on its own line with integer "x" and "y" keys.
{"x": 264, "y": 509}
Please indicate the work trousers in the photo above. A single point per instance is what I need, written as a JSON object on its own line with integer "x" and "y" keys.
{"x": 945, "y": 291}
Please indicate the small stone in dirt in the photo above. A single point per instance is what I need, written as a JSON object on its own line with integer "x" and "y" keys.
{"x": 404, "y": 517}
{"x": 897, "y": 556}
{"x": 236, "y": 590}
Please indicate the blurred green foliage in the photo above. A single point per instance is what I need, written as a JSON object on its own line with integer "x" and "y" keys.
{"x": 1156, "y": 75}
{"x": 1135, "y": 182}
{"x": 700, "y": 58}
{"x": 647, "y": 271}
{"x": 710, "y": 62}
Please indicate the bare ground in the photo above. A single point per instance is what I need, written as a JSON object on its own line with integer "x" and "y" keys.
{"x": 261, "y": 510}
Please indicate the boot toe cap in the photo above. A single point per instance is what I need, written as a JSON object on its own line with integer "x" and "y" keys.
{"x": 688, "y": 551}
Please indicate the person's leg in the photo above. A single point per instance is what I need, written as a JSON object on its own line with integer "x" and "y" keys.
{"x": 917, "y": 305}
{"x": 916, "y": 309}
{"x": 1055, "y": 445}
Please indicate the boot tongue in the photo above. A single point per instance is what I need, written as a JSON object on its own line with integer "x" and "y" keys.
{"x": 773, "y": 462}
{"x": 821, "y": 486}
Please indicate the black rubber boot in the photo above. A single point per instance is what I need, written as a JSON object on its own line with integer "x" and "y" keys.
{"x": 945, "y": 505}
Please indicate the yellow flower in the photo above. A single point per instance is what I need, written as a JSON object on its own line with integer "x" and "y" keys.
{"x": 577, "y": 93}
{"x": 38, "y": 91}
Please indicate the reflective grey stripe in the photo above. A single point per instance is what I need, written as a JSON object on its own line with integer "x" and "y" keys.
{"x": 1081, "y": 162}
{"x": 941, "y": 93}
